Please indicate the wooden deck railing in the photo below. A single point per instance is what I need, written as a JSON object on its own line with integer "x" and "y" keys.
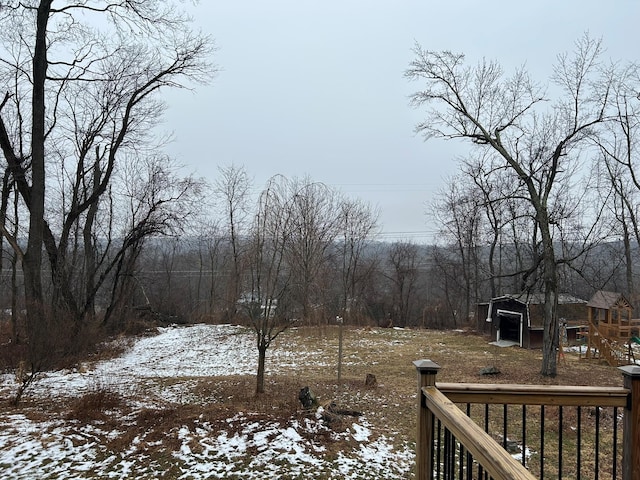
{"x": 451, "y": 445}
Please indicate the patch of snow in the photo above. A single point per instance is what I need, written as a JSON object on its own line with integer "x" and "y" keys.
{"x": 527, "y": 454}
{"x": 361, "y": 433}
{"x": 165, "y": 366}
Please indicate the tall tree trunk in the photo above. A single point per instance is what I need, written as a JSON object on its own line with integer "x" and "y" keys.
{"x": 32, "y": 260}
{"x": 550, "y": 280}
{"x": 89, "y": 308}
{"x": 15, "y": 332}
{"x": 629, "y": 262}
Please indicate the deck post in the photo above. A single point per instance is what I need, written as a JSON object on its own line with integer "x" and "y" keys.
{"x": 631, "y": 433}
{"x": 427, "y": 371}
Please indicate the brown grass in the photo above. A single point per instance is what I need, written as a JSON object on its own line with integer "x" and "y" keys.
{"x": 95, "y": 405}
{"x": 388, "y": 354}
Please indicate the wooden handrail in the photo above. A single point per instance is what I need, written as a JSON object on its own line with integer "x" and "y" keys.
{"x": 438, "y": 400}
{"x": 485, "y": 450}
{"x": 558, "y": 395}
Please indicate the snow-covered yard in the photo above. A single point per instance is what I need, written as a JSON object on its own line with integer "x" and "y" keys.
{"x": 156, "y": 372}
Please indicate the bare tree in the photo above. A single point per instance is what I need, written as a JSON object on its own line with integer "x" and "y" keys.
{"x": 267, "y": 301}
{"x": 158, "y": 202}
{"x": 357, "y": 224}
{"x": 447, "y": 296}
{"x": 80, "y": 96}
{"x": 404, "y": 260}
{"x": 473, "y": 212}
{"x": 541, "y": 144}
{"x": 314, "y": 227}
{"x": 459, "y": 213}
{"x": 493, "y": 188}
{"x": 210, "y": 267}
{"x": 618, "y": 169}
{"x": 233, "y": 188}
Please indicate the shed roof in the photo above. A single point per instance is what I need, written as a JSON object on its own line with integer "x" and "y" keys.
{"x": 607, "y": 300}
{"x": 538, "y": 298}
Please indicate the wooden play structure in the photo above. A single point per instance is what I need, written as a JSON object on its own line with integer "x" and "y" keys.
{"x": 611, "y": 331}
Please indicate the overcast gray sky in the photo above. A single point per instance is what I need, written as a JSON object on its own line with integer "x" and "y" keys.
{"x": 316, "y": 87}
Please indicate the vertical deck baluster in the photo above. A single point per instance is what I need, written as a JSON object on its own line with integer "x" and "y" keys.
{"x": 439, "y": 447}
{"x": 433, "y": 450}
{"x": 461, "y": 461}
{"x": 524, "y": 434}
{"x": 486, "y": 429}
{"x": 560, "y": 429}
{"x": 486, "y": 417}
{"x": 468, "y": 457}
{"x": 446, "y": 454}
{"x": 579, "y": 442}
{"x": 504, "y": 426}
{"x": 615, "y": 442}
{"x": 597, "y": 443}
{"x": 452, "y": 456}
{"x": 541, "y": 442}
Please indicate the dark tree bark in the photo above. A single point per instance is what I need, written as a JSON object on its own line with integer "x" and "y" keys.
{"x": 32, "y": 261}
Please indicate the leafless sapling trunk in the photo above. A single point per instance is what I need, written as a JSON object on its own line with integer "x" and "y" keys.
{"x": 233, "y": 188}
{"x": 357, "y": 225}
{"x": 314, "y": 227}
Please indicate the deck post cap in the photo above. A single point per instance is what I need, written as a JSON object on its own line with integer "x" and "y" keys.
{"x": 630, "y": 371}
{"x": 425, "y": 366}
